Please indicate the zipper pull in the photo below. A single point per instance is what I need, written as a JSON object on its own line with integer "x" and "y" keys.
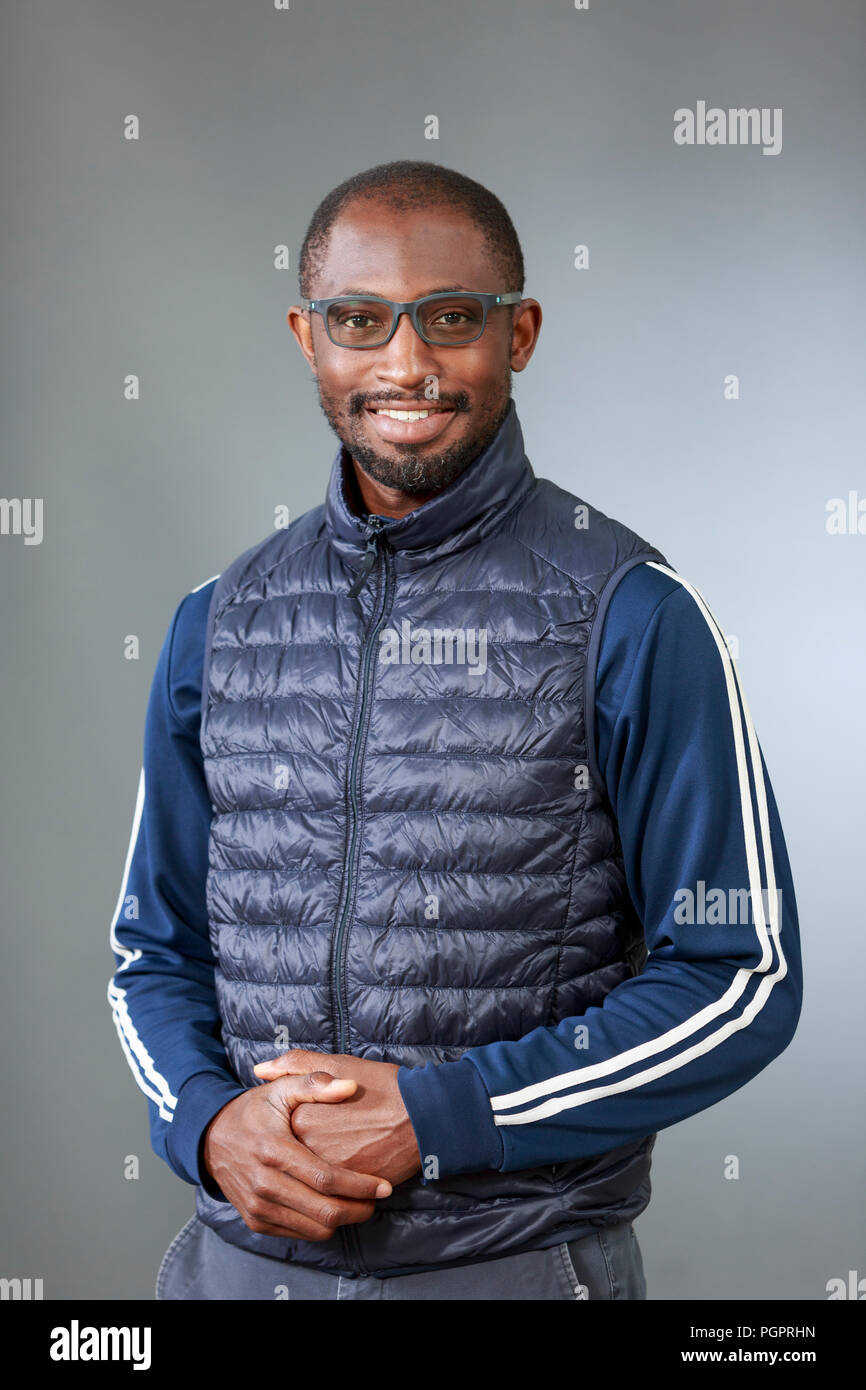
{"x": 373, "y": 531}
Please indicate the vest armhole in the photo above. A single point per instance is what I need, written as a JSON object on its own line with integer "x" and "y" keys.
{"x": 592, "y": 651}
{"x": 205, "y": 673}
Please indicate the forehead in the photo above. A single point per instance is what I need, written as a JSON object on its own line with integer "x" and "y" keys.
{"x": 403, "y": 255}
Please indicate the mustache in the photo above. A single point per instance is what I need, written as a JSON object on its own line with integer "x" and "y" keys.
{"x": 459, "y": 401}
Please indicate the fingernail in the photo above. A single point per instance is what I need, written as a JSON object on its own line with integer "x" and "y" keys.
{"x": 384, "y": 1189}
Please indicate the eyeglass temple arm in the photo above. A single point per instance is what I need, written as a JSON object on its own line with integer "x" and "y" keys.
{"x": 512, "y": 297}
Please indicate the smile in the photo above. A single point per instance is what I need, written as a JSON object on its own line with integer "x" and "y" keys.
{"x": 411, "y": 425}
{"x": 407, "y": 414}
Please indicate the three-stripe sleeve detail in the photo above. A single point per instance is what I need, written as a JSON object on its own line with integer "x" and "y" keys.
{"x": 764, "y": 900}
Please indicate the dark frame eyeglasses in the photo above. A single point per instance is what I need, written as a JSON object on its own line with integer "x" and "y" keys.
{"x": 411, "y": 307}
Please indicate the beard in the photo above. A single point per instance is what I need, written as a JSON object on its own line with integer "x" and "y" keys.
{"x": 405, "y": 466}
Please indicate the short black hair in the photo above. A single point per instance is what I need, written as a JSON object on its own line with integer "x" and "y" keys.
{"x": 403, "y": 185}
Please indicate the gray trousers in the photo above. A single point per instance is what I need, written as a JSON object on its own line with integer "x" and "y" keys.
{"x": 200, "y": 1265}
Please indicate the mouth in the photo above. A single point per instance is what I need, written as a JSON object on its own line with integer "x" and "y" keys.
{"x": 409, "y": 424}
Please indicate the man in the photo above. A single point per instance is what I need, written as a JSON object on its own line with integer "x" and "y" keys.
{"x": 456, "y": 873}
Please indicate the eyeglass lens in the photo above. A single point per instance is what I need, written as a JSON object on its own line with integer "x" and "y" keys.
{"x": 366, "y": 322}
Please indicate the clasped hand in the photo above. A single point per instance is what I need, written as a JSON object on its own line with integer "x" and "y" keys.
{"x": 313, "y": 1148}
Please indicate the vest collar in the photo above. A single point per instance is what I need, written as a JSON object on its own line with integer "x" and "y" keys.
{"x": 461, "y": 514}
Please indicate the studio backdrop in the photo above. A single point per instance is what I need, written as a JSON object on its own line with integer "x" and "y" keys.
{"x": 687, "y": 184}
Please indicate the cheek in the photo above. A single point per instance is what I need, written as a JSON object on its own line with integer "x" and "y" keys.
{"x": 339, "y": 386}
{"x": 486, "y": 368}
{"x": 334, "y": 369}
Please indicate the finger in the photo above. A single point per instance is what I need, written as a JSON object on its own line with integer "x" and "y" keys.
{"x": 292, "y": 1159}
{"x": 274, "y": 1066}
{"x": 333, "y": 1181}
{"x": 265, "y": 1228}
{"x": 287, "y": 1202}
{"x": 293, "y": 1063}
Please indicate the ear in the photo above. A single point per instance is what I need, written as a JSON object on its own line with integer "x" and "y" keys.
{"x": 299, "y": 321}
{"x": 524, "y": 333}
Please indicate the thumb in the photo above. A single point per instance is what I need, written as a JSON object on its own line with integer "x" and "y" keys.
{"x": 316, "y": 1085}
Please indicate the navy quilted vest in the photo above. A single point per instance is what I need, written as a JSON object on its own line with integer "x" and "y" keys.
{"x": 407, "y": 858}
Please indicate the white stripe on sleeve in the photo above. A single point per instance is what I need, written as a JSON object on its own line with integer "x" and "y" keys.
{"x": 725, "y": 1004}
{"x": 142, "y": 1065}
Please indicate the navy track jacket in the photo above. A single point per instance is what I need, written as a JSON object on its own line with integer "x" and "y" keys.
{"x": 718, "y": 999}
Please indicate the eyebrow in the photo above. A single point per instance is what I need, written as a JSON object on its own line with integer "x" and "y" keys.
{"x": 372, "y": 294}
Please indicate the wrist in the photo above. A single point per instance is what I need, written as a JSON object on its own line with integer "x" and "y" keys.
{"x": 452, "y": 1119}
{"x": 201, "y": 1098}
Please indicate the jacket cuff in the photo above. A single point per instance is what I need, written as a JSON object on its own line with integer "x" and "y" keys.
{"x": 451, "y": 1115}
{"x": 200, "y": 1098}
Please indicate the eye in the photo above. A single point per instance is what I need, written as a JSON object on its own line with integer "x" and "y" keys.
{"x": 453, "y": 319}
{"x": 362, "y": 316}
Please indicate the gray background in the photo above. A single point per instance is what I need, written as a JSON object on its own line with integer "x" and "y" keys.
{"x": 156, "y": 257}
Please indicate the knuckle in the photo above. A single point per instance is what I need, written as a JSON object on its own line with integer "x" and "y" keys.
{"x": 329, "y": 1215}
{"x": 322, "y": 1180}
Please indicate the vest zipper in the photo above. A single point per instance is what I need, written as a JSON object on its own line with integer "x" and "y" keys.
{"x": 377, "y": 547}
{"x": 368, "y": 560}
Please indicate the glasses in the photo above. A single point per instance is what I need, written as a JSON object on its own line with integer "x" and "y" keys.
{"x": 447, "y": 319}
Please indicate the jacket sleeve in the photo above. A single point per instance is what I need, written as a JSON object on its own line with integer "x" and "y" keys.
{"x": 162, "y": 993}
{"x": 707, "y": 870}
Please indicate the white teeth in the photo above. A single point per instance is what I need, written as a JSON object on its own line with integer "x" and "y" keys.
{"x": 406, "y": 414}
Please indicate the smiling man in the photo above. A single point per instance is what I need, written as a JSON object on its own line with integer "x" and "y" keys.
{"x": 408, "y": 962}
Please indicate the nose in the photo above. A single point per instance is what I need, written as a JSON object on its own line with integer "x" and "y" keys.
{"x": 406, "y": 358}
